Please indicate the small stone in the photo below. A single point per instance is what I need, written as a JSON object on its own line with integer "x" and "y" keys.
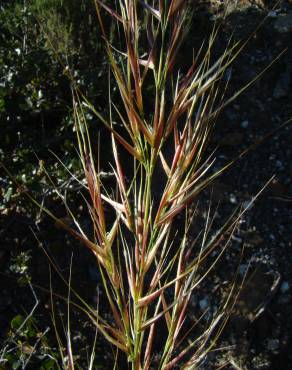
{"x": 284, "y": 287}
{"x": 232, "y": 199}
{"x": 273, "y": 344}
{"x": 247, "y": 205}
{"x": 244, "y": 124}
{"x": 203, "y": 303}
{"x": 236, "y": 239}
{"x": 272, "y": 14}
{"x": 283, "y": 23}
{"x": 242, "y": 269}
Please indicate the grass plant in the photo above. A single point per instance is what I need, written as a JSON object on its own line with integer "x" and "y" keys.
{"x": 148, "y": 265}
{"x": 150, "y": 261}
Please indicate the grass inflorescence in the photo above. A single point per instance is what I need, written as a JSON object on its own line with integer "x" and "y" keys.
{"x": 148, "y": 265}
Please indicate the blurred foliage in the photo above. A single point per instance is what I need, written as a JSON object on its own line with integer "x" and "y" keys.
{"x": 39, "y": 41}
{"x": 27, "y": 347}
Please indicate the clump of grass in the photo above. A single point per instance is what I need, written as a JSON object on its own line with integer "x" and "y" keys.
{"x": 149, "y": 268}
